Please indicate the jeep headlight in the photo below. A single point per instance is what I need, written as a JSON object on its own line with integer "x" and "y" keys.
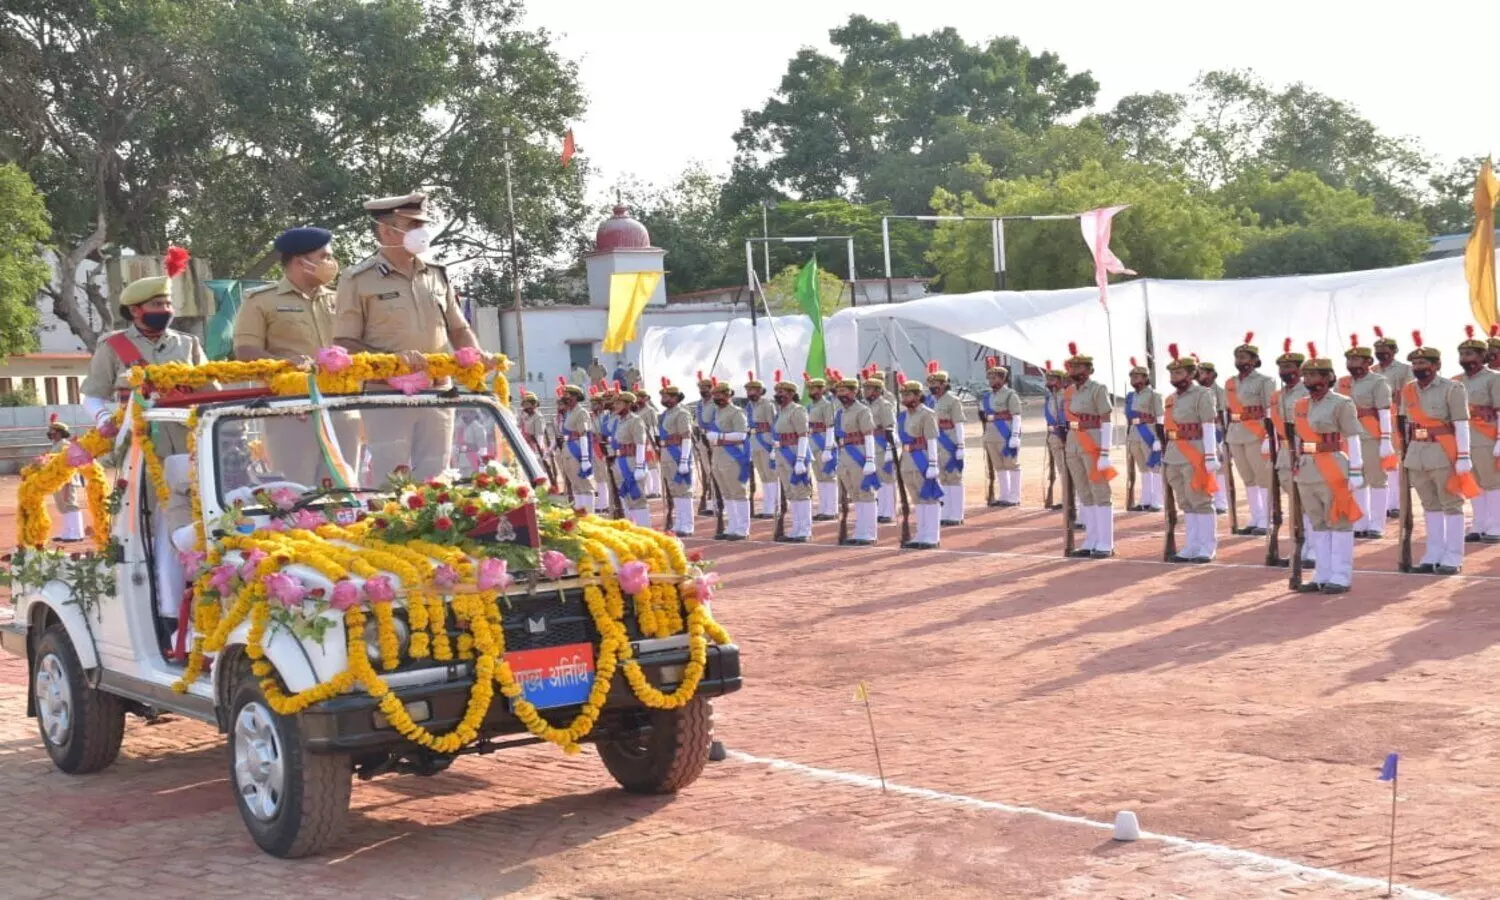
{"x": 372, "y": 636}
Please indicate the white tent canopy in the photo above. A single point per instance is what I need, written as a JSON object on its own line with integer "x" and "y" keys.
{"x": 1209, "y": 318}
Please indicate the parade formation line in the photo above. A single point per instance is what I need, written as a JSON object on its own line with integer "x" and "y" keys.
{"x": 1219, "y": 851}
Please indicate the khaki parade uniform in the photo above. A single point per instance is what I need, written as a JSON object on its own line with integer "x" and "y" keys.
{"x": 605, "y": 425}
{"x": 793, "y": 446}
{"x": 996, "y": 408}
{"x": 1221, "y": 495}
{"x": 1088, "y": 407}
{"x": 280, "y": 320}
{"x": 1186, "y": 463}
{"x": 675, "y": 430}
{"x": 1371, "y": 396}
{"x": 883, "y": 414}
{"x": 1055, "y": 415}
{"x": 1247, "y": 400}
{"x": 534, "y": 429}
{"x": 108, "y": 379}
{"x": 630, "y": 455}
{"x": 576, "y": 462}
{"x": 762, "y": 415}
{"x": 1398, "y": 374}
{"x": 705, "y": 420}
{"x": 69, "y": 499}
{"x": 819, "y": 423}
{"x": 1484, "y": 399}
{"x": 1328, "y": 427}
{"x": 950, "y": 418}
{"x": 918, "y": 433}
{"x": 1146, "y": 410}
{"x": 473, "y": 446}
{"x": 1283, "y": 410}
{"x": 854, "y": 430}
{"x": 1426, "y": 462}
{"x": 652, "y": 418}
{"x": 731, "y": 477}
{"x": 390, "y": 312}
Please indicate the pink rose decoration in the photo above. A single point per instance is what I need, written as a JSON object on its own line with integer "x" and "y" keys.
{"x": 410, "y": 384}
{"x": 704, "y": 586}
{"x": 276, "y": 525}
{"x": 191, "y": 561}
{"x": 467, "y": 356}
{"x": 345, "y": 596}
{"x": 253, "y": 559}
{"x": 284, "y": 589}
{"x": 109, "y": 429}
{"x": 334, "y": 359}
{"x": 445, "y": 576}
{"x": 379, "y": 589}
{"x": 308, "y": 520}
{"x": 223, "y": 579}
{"x": 634, "y": 577}
{"x": 493, "y": 575}
{"x": 76, "y": 455}
{"x": 554, "y": 564}
{"x": 284, "y": 498}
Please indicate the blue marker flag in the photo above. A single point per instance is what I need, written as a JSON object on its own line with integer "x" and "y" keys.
{"x": 1388, "y": 770}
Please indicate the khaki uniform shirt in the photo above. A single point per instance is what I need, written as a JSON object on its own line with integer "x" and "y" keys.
{"x": 280, "y": 320}
{"x": 920, "y": 423}
{"x": 949, "y": 408}
{"x": 1148, "y": 402}
{"x": 580, "y": 424}
{"x": 1484, "y": 391}
{"x": 107, "y": 374}
{"x": 649, "y": 415}
{"x": 730, "y": 420}
{"x": 820, "y": 412}
{"x": 764, "y": 412}
{"x": 677, "y": 421}
{"x": 792, "y": 420}
{"x": 1334, "y": 414}
{"x": 1194, "y": 406}
{"x": 1003, "y": 400}
{"x": 629, "y": 430}
{"x": 390, "y": 312}
{"x": 1089, "y": 399}
{"x": 1288, "y": 404}
{"x": 534, "y": 425}
{"x": 1370, "y": 392}
{"x": 1444, "y": 400}
{"x": 1251, "y": 390}
{"x": 1397, "y": 373}
{"x": 883, "y": 411}
{"x": 856, "y": 417}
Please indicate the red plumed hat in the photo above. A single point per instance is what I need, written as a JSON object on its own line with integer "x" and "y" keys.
{"x": 176, "y": 261}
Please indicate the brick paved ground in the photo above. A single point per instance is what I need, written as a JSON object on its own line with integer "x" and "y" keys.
{"x": 1210, "y": 700}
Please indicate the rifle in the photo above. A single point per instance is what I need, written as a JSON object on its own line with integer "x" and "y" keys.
{"x": 713, "y": 485}
{"x": 989, "y": 467}
{"x": 1234, "y": 504}
{"x": 780, "y": 531}
{"x": 1049, "y": 500}
{"x": 843, "y": 511}
{"x": 890, "y": 436}
{"x": 666, "y": 489}
{"x": 1169, "y": 548}
{"x": 1406, "y": 501}
{"x": 1273, "y": 536}
{"x": 1070, "y": 513}
{"x": 1299, "y": 534}
{"x": 1129, "y": 477}
{"x": 701, "y": 439}
{"x": 617, "y": 506}
{"x": 567, "y": 483}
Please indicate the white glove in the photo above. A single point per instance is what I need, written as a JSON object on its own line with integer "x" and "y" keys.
{"x": 640, "y": 473}
{"x": 827, "y": 456}
{"x": 800, "y": 468}
{"x": 1103, "y": 464}
{"x": 958, "y": 452}
{"x": 1015, "y": 442}
{"x": 1387, "y": 450}
{"x": 683, "y": 468}
{"x": 1156, "y": 446}
{"x": 932, "y": 472}
{"x": 1464, "y": 465}
{"x": 1211, "y": 463}
{"x": 869, "y": 467}
{"x": 1265, "y": 447}
{"x": 1497, "y": 450}
{"x": 586, "y": 470}
{"x": 1356, "y": 479}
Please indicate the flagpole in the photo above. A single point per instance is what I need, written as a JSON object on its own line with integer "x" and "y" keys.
{"x": 750, "y": 281}
{"x": 515, "y": 264}
{"x": 1390, "y": 882}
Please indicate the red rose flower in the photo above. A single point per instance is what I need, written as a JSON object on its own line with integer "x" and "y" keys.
{"x": 482, "y": 480}
{"x": 434, "y": 484}
{"x": 415, "y": 501}
{"x": 502, "y": 480}
{"x": 380, "y": 523}
{"x": 121, "y": 485}
{"x": 569, "y": 524}
{"x": 471, "y": 510}
{"x": 523, "y": 492}
{"x": 486, "y": 459}
{"x": 443, "y": 523}
{"x": 695, "y": 556}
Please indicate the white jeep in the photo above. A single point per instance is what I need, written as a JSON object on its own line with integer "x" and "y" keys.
{"x": 105, "y": 635}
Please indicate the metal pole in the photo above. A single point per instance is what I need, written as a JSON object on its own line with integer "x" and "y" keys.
{"x": 1000, "y": 254}
{"x": 853, "y": 298}
{"x": 885, "y": 241}
{"x": 765, "y": 232}
{"x": 750, "y": 282}
{"x": 515, "y": 264}
{"x": 995, "y": 254}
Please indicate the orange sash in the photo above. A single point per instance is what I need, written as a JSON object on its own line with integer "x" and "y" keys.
{"x": 1462, "y": 484}
{"x": 1257, "y": 427}
{"x": 1086, "y": 441}
{"x": 1204, "y": 481}
{"x": 1344, "y": 507}
{"x": 1371, "y": 424}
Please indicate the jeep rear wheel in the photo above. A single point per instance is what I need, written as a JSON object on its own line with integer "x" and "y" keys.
{"x": 293, "y": 802}
{"x": 81, "y": 727}
{"x": 666, "y": 757}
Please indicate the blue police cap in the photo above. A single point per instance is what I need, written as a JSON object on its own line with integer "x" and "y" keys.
{"x": 296, "y": 241}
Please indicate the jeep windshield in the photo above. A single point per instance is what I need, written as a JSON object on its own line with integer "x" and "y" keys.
{"x": 288, "y": 450}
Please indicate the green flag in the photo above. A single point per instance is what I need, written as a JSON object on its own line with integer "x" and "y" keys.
{"x": 811, "y": 300}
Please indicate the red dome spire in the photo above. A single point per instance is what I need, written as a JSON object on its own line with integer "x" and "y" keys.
{"x": 621, "y": 232}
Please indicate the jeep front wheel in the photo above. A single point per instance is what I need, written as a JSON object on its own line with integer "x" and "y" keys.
{"x": 81, "y": 727}
{"x": 293, "y": 802}
{"x": 665, "y": 757}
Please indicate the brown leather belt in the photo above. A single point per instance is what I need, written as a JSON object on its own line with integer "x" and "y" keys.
{"x": 945, "y": 424}
{"x": 1253, "y": 413}
{"x": 1089, "y": 421}
{"x": 855, "y": 437}
{"x": 1324, "y": 445}
{"x": 673, "y": 439}
{"x": 1144, "y": 420}
{"x": 1001, "y": 416}
{"x": 787, "y": 438}
{"x": 915, "y": 444}
{"x": 1366, "y": 411}
{"x": 818, "y": 426}
{"x": 1185, "y": 432}
{"x": 1482, "y": 413}
{"x": 1418, "y": 433}
{"x": 761, "y": 427}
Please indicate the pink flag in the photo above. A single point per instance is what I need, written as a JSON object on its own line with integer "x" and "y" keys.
{"x": 1096, "y": 228}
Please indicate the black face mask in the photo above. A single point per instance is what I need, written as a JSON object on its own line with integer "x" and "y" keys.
{"x": 1289, "y": 378}
{"x": 156, "y": 321}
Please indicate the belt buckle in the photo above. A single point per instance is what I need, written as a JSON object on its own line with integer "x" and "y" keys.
{"x": 1309, "y": 447}
{"x": 1172, "y": 434}
{"x": 1236, "y": 417}
{"x": 1419, "y": 434}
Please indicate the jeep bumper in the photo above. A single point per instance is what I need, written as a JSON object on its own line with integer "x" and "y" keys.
{"x": 13, "y": 638}
{"x": 353, "y": 723}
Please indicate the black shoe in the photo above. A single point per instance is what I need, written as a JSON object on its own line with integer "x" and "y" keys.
{"x": 1153, "y": 509}
{"x": 950, "y": 523}
{"x": 791, "y": 540}
{"x": 1447, "y": 570}
{"x": 1423, "y": 569}
{"x": 855, "y": 542}
{"x": 1257, "y": 531}
{"x": 706, "y": 514}
{"x": 1079, "y": 526}
{"x": 1101, "y": 554}
{"x": 1009, "y": 504}
{"x": 1335, "y": 589}
{"x": 917, "y": 545}
{"x": 1242, "y": 532}
{"x": 735, "y": 537}
{"x": 682, "y": 534}
{"x": 1283, "y": 563}
{"x": 1393, "y": 514}
{"x": 763, "y": 516}
{"x": 1489, "y": 539}
{"x": 1081, "y": 554}
{"x": 721, "y": 536}
{"x": 1471, "y": 538}
{"x": 1054, "y": 507}
{"x": 1136, "y": 508}
{"x": 885, "y": 520}
{"x": 1309, "y": 587}
{"x": 823, "y": 517}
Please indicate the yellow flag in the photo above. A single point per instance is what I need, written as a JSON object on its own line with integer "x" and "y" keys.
{"x": 628, "y": 293}
{"x": 860, "y": 693}
{"x": 1479, "y": 253}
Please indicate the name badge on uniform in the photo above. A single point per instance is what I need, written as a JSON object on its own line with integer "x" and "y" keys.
{"x": 388, "y": 295}
{"x": 289, "y": 309}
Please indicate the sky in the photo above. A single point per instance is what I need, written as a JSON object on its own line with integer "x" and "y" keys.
{"x": 667, "y": 81}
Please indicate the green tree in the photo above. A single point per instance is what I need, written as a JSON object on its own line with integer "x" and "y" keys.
{"x": 1170, "y": 230}
{"x": 1450, "y": 209}
{"x": 888, "y": 96}
{"x": 781, "y": 295}
{"x": 107, "y": 107}
{"x": 683, "y": 218}
{"x": 23, "y": 274}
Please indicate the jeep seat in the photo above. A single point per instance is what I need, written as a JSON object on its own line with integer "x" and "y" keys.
{"x": 170, "y": 579}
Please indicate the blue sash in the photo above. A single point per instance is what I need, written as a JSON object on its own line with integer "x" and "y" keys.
{"x": 607, "y": 427}
{"x": 675, "y": 452}
{"x": 762, "y": 438}
{"x": 1001, "y": 425}
{"x": 740, "y": 453}
{"x": 628, "y": 486}
{"x": 883, "y": 444}
{"x": 931, "y": 490}
{"x": 573, "y": 440}
{"x": 1146, "y": 432}
{"x": 869, "y": 482}
{"x": 789, "y": 454}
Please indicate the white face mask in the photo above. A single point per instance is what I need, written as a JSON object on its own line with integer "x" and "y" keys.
{"x": 418, "y": 240}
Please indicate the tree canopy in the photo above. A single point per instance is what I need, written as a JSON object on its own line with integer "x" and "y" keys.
{"x": 23, "y": 274}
